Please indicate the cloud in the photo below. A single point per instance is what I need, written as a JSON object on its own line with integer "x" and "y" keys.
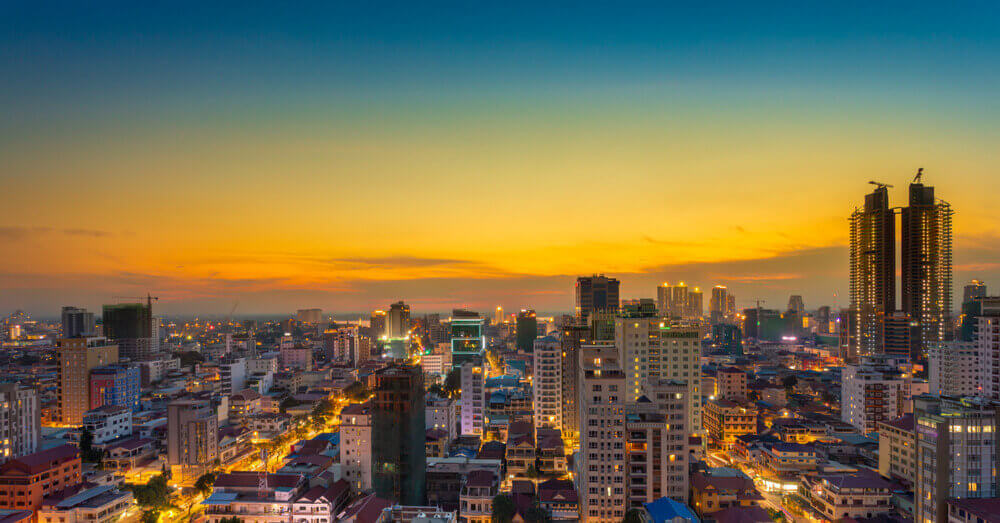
{"x": 402, "y": 261}
{"x": 22, "y": 232}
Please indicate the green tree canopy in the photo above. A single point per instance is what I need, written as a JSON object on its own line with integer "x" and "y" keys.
{"x": 503, "y": 509}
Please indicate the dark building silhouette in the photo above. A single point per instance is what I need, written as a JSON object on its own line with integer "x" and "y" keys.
{"x": 926, "y": 277}
{"x": 527, "y": 330}
{"x": 596, "y": 293}
{"x": 399, "y": 463}
{"x": 873, "y": 274}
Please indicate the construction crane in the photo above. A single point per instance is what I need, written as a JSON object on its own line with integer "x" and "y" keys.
{"x": 149, "y": 299}
{"x": 920, "y": 174}
{"x": 880, "y": 184}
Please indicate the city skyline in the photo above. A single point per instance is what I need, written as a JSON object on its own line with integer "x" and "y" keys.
{"x": 345, "y": 158}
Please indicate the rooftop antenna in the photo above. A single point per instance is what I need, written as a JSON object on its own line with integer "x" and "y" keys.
{"x": 920, "y": 173}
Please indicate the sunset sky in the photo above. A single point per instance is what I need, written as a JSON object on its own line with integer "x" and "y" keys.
{"x": 347, "y": 157}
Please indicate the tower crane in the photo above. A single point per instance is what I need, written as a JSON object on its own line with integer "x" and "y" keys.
{"x": 920, "y": 174}
{"x": 880, "y": 185}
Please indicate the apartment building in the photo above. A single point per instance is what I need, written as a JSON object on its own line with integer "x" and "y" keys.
{"x": 897, "y": 449}
{"x": 547, "y": 383}
{"x": 724, "y": 420}
{"x": 20, "y": 420}
{"x": 356, "y": 445}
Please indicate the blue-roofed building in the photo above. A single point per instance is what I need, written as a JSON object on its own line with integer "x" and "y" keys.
{"x": 666, "y": 510}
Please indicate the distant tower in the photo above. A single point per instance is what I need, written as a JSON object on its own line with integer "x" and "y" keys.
{"x": 873, "y": 275}
{"x": 596, "y": 293}
{"x": 926, "y": 256}
{"x": 796, "y": 305}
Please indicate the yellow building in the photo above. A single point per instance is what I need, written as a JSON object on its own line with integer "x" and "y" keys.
{"x": 725, "y": 419}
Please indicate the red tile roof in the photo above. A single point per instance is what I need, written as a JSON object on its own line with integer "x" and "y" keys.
{"x": 41, "y": 461}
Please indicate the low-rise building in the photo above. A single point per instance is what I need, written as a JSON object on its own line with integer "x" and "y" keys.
{"x": 719, "y": 489}
{"x": 477, "y": 497}
{"x": 725, "y": 420}
{"x": 108, "y": 423}
{"x": 101, "y": 504}
{"x": 254, "y": 496}
{"x": 26, "y": 481}
{"x": 854, "y": 495}
{"x": 897, "y": 447}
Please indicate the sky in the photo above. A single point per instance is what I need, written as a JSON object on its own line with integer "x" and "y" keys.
{"x": 344, "y": 156}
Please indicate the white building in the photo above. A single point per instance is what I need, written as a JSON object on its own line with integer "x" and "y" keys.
{"x": 653, "y": 348}
{"x": 955, "y": 369}
{"x": 233, "y": 375}
{"x": 20, "y": 420}
{"x": 871, "y": 393}
{"x": 547, "y": 383}
{"x": 473, "y": 399}
{"x": 601, "y": 462}
{"x": 262, "y": 364}
{"x": 108, "y": 423}
{"x": 988, "y": 347}
{"x": 356, "y": 445}
{"x": 439, "y": 413}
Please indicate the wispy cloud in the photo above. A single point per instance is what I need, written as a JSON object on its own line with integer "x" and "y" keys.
{"x": 21, "y": 232}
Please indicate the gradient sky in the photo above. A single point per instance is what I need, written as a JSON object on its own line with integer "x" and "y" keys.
{"x": 345, "y": 157}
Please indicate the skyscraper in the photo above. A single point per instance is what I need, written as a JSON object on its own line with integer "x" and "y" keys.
{"x": 527, "y": 330}
{"x": 926, "y": 257}
{"x": 664, "y": 299}
{"x": 796, "y": 305}
{"x": 192, "y": 434}
{"x": 397, "y": 323}
{"x": 399, "y": 462}
{"x": 130, "y": 326}
{"x": 717, "y": 304}
{"x": 873, "y": 275}
{"x": 695, "y": 306}
{"x": 596, "y": 293}
{"x": 77, "y": 322}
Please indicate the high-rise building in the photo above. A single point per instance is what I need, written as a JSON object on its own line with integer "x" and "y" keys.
{"x": 468, "y": 341}
{"x": 871, "y": 392}
{"x": 975, "y": 289}
{"x": 796, "y": 305}
{"x": 596, "y": 293}
{"x": 603, "y": 467}
{"x": 718, "y": 304}
{"x": 956, "y": 452}
{"x": 651, "y": 348}
{"x": 399, "y": 461}
{"x": 547, "y": 383}
{"x": 823, "y": 317}
{"x": 926, "y": 256}
{"x": 77, "y": 322}
{"x": 192, "y": 434}
{"x": 356, "y": 444}
{"x": 987, "y": 336}
{"x": 899, "y": 335}
{"x": 117, "y": 385}
{"x": 397, "y": 323}
{"x": 873, "y": 270}
{"x": 20, "y": 420}
{"x": 573, "y": 338}
{"x": 527, "y": 330}
{"x": 376, "y": 325}
{"x": 498, "y": 316}
{"x": 473, "y": 396}
{"x": 695, "y": 307}
{"x": 664, "y": 299}
{"x": 232, "y": 375}
{"x": 77, "y": 357}
{"x": 955, "y": 369}
{"x": 972, "y": 307}
{"x": 130, "y": 326}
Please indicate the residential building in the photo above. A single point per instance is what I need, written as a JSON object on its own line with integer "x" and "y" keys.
{"x": 480, "y": 487}
{"x": 473, "y": 398}
{"x": 547, "y": 383}
{"x": 725, "y": 420}
{"x": 731, "y": 383}
{"x": 356, "y": 445}
{"x": 20, "y": 420}
{"x": 108, "y": 423}
{"x": 956, "y": 452}
{"x": 297, "y": 357}
{"x": 601, "y": 460}
{"x": 718, "y": 489}
{"x": 573, "y": 337}
{"x": 397, "y": 324}
{"x": 439, "y": 414}
{"x": 192, "y": 434}
{"x": 897, "y": 449}
{"x": 871, "y": 393}
{"x": 254, "y": 496}
{"x": 955, "y": 369}
{"x": 849, "y": 495}
{"x": 656, "y": 458}
{"x": 103, "y": 503}
{"x": 973, "y": 510}
{"x": 115, "y": 385}
{"x": 26, "y": 481}
{"x": 77, "y": 357}
{"x": 233, "y": 374}
{"x": 651, "y": 348}
{"x": 987, "y": 337}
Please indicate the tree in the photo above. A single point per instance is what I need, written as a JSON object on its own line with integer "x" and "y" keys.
{"x": 150, "y": 516}
{"x": 287, "y": 403}
{"x": 503, "y": 509}
{"x": 633, "y": 516}
{"x": 87, "y": 451}
{"x": 204, "y": 483}
{"x": 536, "y": 514}
{"x": 356, "y": 392}
{"x": 790, "y": 381}
{"x": 453, "y": 383}
{"x": 155, "y": 494}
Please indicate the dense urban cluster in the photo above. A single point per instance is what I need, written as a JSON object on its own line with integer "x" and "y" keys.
{"x": 626, "y": 409}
